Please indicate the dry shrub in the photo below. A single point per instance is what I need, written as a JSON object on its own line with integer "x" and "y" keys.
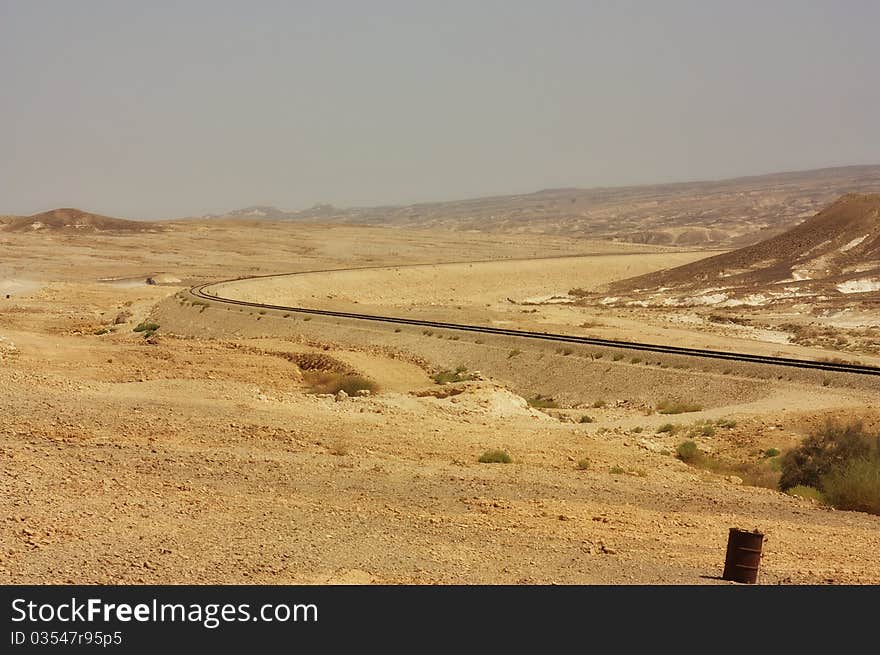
{"x": 672, "y": 407}
{"x": 841, "y": 461}
{"x": 830, "y": 446}
{"x": 334, "y": 382}
{"x": 495, "y": 456}
{"x": 854, "y": 485}
{"x": 317, "y": 362}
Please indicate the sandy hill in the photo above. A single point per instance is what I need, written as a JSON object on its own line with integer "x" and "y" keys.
{"x": 724, "y": 213}
{"x": 74, "y": 220}
{"x": 832, "y": 254}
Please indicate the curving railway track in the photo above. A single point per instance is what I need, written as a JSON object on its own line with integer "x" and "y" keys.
{"x": 202, "y": 291}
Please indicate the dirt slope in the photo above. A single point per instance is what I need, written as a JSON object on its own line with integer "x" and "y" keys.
{"x": 834, "y": 254}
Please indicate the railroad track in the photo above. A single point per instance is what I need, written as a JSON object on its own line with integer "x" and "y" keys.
{"x": 200, "y": 291}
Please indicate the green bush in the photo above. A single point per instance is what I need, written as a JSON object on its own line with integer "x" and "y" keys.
{"x": 146, "y": 326}
{"x": 333, "y": 382}
{"x": 771, "y": 452}
{"x": 543, "y": 402}
{"x": 804, "y": 491}
{"x": 460, "y": 374}
{"x": 583, "y": 464}
{"x": 495, "y": 456}
{"x": 704, "y": 429}
{"x": 585, "y": 419}
{"x": 831, "y": 446}
{"x": 671, "y": 407}
{"x": 668, "y": 428}
{"x": 688, "y": 451}
{"x": 854, "y": 485}
{"x": 617, "y": 470}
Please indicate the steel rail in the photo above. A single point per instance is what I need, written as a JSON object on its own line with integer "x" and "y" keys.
{"x": 838, "y": 367}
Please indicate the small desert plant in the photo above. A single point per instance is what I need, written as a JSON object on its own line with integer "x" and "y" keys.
{"x": 514, "y": 353}
{"x": 635, "y": 360}
{"x": 617, "y": 470}
{"x": 726, "y": 423}
{"x": 701, "y": 430}
{"x": 617, "y": 357}
{"x": 831, "y": 446}
{"x": 669, "y": 428}
{"x": 307, "y": 318}
{"x": 586, "y": 419}
{"x": 495, "y": 456}
{"x": 638, "y": 429}
{"x": 598, "y": 404}
{"x": 460, "y": 374}
{"x": 334, "y": 382}
{"x": 583, "y": 464}
{"x": 770, "y": 452}
{"x": 146, "y": 326}
{"x": 688, "y": 451}
{"x": 102, "y": 331}
{"x": 806, "y": 492}
{"x": 543, "y": 402}
{"x": 854, "y": 485}
{"x": 672, "y": 407}
{"x": 398, "y": 330}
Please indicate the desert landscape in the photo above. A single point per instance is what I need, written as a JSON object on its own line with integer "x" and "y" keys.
{"x": 156, "y": 434}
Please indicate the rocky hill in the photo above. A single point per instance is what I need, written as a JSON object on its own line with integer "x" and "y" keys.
{"x": 69, "y": 220}
{"x": 833, "y": 254}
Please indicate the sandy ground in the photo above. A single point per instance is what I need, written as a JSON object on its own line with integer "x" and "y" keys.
{"x": 204, "y": 458}
{"x": 487, "y": 284}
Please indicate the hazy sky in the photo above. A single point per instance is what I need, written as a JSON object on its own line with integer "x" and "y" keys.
{"x": 167, "y": 108}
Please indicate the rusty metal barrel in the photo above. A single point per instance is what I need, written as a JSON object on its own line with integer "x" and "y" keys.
{"x": 743, "y": 555}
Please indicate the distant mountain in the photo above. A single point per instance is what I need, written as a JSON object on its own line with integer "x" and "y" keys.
{"x": 832, "y": 254}
{"x": 722, "y": 214}
{"x": 256, "y": 212}
{"x": 69, "y": 220}
{"x": 269, "y": 213}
